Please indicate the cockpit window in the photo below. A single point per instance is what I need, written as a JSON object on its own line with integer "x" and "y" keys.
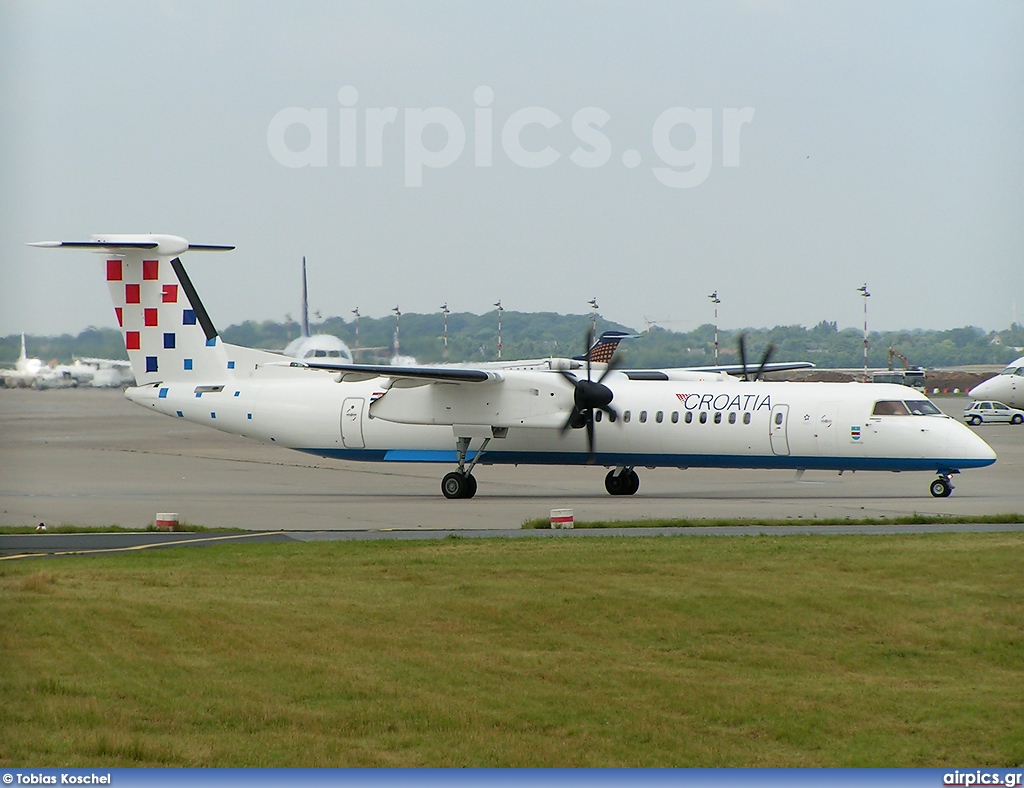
{"x": 922, "y": 407}
{"x": 1013, "y": 371}
{"x": 890, "y": 407}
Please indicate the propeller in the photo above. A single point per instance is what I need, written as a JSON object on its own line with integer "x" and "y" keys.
{"x": 589, "y": 395}
{"x": 768, "y": 351}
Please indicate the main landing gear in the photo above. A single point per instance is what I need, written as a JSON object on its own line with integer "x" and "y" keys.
{"x": 622, "y": 481}
{"x": 942, "y": 487}
{"x": 462, "y": 483}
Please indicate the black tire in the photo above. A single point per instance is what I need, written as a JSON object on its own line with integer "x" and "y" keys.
{"x": 470, "y": 486}
{"x": 454, "y": 485}
{"x": 940, "y": 488}
{"x": 1017, "y": 419}
{"x": 614, "y": 484}
{"x": 632, "y": 483}
{"x": 974, "y": 421}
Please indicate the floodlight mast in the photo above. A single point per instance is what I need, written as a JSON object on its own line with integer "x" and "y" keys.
{"x": 398, "y": 322}
{"x": 445, "y": 311}
{"x": 863, "y": 290}
{"x": 500, "y": 310}
{"x": 715, "y": 300}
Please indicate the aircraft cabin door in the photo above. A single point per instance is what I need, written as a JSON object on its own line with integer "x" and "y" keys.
{"x": 777, "y": 434}
{"x": 352, "y": 422}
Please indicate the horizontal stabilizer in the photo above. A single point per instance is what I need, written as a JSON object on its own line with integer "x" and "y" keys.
{"x": 163, "y": 245}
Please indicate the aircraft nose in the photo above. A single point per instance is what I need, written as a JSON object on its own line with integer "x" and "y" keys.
{"x": 968, "y": 447}
{"x": 981, "y": 391}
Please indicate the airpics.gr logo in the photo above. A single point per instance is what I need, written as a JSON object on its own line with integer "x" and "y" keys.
{"x": 303, "y": 137}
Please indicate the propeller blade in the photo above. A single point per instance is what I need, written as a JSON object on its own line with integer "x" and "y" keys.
{"x": 743, "y": 354}
{"x": 590, "y": 439}
{"x": 613, "y": 363}
{"x": 768, "y": 351}
{"x": 587, "y": 344}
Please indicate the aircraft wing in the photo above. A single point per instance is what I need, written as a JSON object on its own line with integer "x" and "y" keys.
{"x": 734, "y": 369}
{"x": 436, "y": 374}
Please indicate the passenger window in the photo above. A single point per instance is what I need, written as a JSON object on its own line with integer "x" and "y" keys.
{"x": 703, "y": 417}
{"x": 643, "y": 417}
{"x": 718, "y": 417}
{"x": 675, "y": 417}
{"x": 689, "y": 416}
{"x": 597, "y": 415}
{"x": 626, "y": 416}
{"x": 889, "y": 408}
{"x": 778, "y": 419}
{"x": 659, "y": 417}
{"x": 732, "y": 417}
{"x": 746, "y": 418}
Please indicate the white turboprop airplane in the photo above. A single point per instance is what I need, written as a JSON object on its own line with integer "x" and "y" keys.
{"x": 675, "y": 418}
{"x": 1006, "y": 387}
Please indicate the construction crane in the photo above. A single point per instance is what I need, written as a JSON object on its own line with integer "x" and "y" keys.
{"x": 909, "y": 376}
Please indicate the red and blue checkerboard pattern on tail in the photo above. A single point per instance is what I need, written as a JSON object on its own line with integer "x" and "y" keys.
{"x": 161, "y": 332}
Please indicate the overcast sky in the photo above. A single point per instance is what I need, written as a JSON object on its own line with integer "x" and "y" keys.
{"x": 542, "y": 153}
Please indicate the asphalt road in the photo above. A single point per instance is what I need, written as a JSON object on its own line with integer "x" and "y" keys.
{"x": 89, "y": 457}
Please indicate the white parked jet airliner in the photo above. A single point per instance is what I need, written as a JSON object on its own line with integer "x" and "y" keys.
{"x": 1007, "y": 386}
{"x": 626, "y": 419}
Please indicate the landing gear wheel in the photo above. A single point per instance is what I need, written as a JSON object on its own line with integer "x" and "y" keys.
{"x": 626, "y": 482}
{"x": 614, "y": 484}
{"x": 941, "y": 488}
{"x": 458, "y": 485}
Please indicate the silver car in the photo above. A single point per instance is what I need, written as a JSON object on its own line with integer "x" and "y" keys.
{"x": 987, "y": 411}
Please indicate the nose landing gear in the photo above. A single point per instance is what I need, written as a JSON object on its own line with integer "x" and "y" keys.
{"x": 941, "y": 487}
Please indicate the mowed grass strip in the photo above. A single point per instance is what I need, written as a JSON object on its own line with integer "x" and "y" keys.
{"x": 667, "y": 651}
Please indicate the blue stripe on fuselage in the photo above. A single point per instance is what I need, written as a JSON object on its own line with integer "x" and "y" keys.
{"x": 943, "y": 465}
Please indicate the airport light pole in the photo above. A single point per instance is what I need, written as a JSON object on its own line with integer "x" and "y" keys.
{"x": 863, "y": 290}
{"x": 593, "y": 314}
{"x": 445, "y": 311}
{"x": 715, "y": 300}
{"x": 398, "y": 322}
{"x": 500, "y": 310}
{"x": 356, "y": 313}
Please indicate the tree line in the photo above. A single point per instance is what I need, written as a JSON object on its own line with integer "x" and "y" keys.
{"x": 474, "y": 338}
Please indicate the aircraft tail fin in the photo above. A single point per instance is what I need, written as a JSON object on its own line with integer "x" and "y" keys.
{"x": 305, "y": 301}
{"x": 167, "y": 331}
{"x": 604, "y": 348}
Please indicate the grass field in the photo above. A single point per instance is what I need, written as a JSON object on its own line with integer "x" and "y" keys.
{"x": 758, "y": 651}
